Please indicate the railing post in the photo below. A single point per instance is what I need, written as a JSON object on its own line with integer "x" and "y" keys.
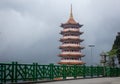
{"x": 104, "y": 71}
{"x": 13, "y": 70}
{"x": 51, "y": 71}
{"x": 107, "y": 70}
{"x": 110, "y": 71}
{"x": 5, "y": 73}
{"x": 2, "y": 70}
{"x": 25, "y": 72}
{"x": 91, "y": 71}
{"x": 16, "y": 64}
{"x": 84, "y": 71}
{"x": 34, "y": 72}
{"x": 98, "y": 72}
{"x": 118, "y": 71}
{"x": 36, "y": 75}
{"x": 75, "y": 71}
{"x": 64, "y": 71}
{"x": 44, "y": 70}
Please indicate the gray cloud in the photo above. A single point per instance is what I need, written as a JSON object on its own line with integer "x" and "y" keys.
{"x": 30, "y": 29}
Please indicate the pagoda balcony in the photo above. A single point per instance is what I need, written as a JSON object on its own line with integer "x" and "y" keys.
{"x": 71, "y": 46}
{"x": 64, "y": 45}
{"x": 71, "y": 39}
{"x": 70, "y": 29}
{"x": 71, "y": 53}
{"x": 69, "y": 25}
{"x": 67, "y": 54}
{"x": 71, "y": 32}
{"x": 71, "y": 62}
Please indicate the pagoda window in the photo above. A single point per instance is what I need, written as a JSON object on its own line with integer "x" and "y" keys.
{"x": 67, "y": 58}
{"x": 64, "y": 42}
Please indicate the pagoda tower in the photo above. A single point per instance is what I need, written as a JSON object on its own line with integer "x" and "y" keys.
{"x": 70, "y": 47}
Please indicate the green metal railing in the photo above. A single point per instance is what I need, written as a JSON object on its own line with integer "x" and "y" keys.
{"x": 14, "y": 72}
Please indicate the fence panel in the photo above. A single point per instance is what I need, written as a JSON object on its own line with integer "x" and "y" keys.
{"x": 88, "y": 71}
{"x": 94, "y": 71}
{"x": 58, "y": 70}
{"x": 79, "y": 71}
{"x": 7, "y": 72}
{"x": 15, "y": 72}
{"x": 69, "y": 71}
{"x": 43, "y": 71}
{"x": 25, "y": 72}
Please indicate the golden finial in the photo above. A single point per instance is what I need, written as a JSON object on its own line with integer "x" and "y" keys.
{"x": 71, "y": 19}
{"x": 71, "y": 15}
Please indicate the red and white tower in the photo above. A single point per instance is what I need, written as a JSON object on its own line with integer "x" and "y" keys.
{"x": 71, "y": 48}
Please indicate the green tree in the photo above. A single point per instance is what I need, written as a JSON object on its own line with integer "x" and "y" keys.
{"x": 115, "y": 51}
{"x": 112, "y": 55}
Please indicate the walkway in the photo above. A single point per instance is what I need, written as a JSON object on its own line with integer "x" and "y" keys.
{"x": 114, "y": 80}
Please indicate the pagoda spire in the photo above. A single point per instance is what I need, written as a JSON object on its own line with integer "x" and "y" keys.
{"x": 71, "y": 19}
{"x": 71, "y": 14}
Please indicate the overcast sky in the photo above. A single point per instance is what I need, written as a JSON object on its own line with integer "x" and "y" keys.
{"x": 29, "y": 29}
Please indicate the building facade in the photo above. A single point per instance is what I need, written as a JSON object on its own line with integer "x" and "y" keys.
{"x": 71, "y": 47}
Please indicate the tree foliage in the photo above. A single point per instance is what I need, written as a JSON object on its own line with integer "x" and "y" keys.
{"x": 115, "y": 51}
{"x": 112, "y": 52}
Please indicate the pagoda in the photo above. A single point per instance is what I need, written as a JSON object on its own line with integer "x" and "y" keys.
{"x": 70, "y": 47}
